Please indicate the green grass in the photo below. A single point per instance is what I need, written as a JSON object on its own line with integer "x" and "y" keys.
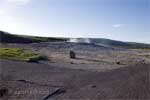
{"x": 40, "y": 39}
{"x": 47, "y": 39}
{"x": 19, "y": 54}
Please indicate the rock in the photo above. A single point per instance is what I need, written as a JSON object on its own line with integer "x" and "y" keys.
{"x": 118, "y": 63}
{"x": 72, "y": 55}
{"x": 3, "y": 92}
{"x": 72, "y": 62}
{"x": 93, "y": 86}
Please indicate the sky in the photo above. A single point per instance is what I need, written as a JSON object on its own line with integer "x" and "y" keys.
{"x": 125, "y": 20}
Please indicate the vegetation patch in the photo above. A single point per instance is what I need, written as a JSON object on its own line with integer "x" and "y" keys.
{"x": 147, "y": 56}
{"x": 19, "y": 54}
{"x": 46, "y": 39}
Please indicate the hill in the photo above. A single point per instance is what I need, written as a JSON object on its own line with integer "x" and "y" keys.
{"x": 114, "y": 43}
{"x": 11, "y": 38}
{"x": 111, "y": 43}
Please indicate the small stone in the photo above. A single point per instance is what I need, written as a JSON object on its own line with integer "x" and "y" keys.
{"x": 93, "y": 86}
{"x": 118, "y": 63}
{"x": 72, "y": 62}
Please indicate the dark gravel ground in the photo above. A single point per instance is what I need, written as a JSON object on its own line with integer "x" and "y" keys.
{"x": 78, "y": 81}
{"x": 127, "y": 83}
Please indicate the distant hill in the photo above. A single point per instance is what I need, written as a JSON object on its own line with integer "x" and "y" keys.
{"x": 114, "y": 43}
{"x": 111, "y": 43}
{"x": 11, "y": 38}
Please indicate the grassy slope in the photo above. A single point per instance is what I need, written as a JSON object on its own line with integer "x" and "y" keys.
{"x": 46, "y": 39}
{"x": 12, "y": 38}
{"x": 18, "y": 54}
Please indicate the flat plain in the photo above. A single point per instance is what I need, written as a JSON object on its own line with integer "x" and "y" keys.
{"x": 97, "y": 73}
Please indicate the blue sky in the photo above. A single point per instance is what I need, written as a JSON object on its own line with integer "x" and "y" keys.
{"x": 126, "y": 20}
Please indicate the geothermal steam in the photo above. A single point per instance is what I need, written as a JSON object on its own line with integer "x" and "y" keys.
{"x": 80, "y": 40}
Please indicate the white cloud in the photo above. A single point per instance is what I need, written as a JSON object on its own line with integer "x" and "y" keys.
{"x": 8, "y": 19}
{"x": 2, "y": 12}
{"x": 21, "y": 2}
{"x": 9, "y": 24}
{"x": 117, "y": 25}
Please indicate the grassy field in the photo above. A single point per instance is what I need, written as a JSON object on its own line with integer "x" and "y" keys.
{"x": 19, "y": 54}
